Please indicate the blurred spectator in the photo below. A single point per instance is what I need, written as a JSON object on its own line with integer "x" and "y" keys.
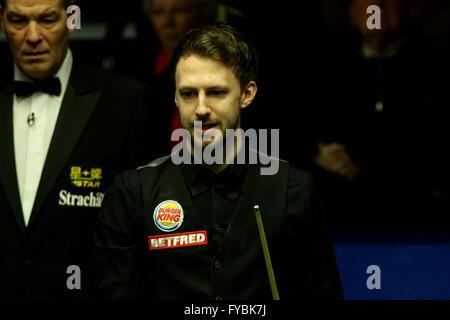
{"x": 172, "y": 19}
{"x": 377, "y": 128}
{"x": 149, "y": 61}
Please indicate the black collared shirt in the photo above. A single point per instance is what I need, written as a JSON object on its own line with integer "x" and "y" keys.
{"x": 215, "y": 194}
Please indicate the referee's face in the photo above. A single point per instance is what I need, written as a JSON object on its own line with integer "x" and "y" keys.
{"x": 208, "y": 91}
{"x": 37, "y": 35}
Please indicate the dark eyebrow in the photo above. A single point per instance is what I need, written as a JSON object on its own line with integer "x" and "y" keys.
{"x": 218, "y": 88}
{"x": 51, "y": 14}
{"x": 187, "y": 89}
{"x": 213, "y": 88}
{"x": 13, "y": 14}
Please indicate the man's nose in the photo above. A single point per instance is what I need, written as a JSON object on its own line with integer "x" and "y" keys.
{"x": 168, "y": 18}
{"x": 203, "y": 109}
{"x": 33, "y": 35}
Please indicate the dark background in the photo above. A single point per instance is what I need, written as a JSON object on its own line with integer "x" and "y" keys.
{"x": 309, "y": 88}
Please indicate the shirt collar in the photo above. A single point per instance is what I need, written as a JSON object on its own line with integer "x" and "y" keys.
{"x": 63, "y": 73}
{"x": 200, "y": 178}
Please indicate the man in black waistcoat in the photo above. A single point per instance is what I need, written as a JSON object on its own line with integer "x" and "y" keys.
{"x": 183, "y": 227}
{"x": 66, "y": 131}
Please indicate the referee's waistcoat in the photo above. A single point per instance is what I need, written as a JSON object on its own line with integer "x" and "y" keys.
{"x": 192, "y": 260}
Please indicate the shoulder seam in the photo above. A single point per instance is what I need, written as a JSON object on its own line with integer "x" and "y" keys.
{"x": 155, "y": 163}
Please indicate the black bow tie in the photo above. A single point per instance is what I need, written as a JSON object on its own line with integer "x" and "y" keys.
{"x": 24, "y": 89}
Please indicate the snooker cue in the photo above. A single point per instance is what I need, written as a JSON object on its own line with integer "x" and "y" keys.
{"x": 265, "y": 247}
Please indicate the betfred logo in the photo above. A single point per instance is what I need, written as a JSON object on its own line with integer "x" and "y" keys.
{"x": 178, "y": 240}
{"x": 168, "y": 215}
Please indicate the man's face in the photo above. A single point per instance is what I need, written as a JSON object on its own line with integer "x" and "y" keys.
{"x": 208, "y": 91}
{"x": 172, "y": 19}
{"x": 37, "y": 35}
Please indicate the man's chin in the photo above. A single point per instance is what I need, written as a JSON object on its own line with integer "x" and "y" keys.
{"x": 203, "y": 144}
{"x": 36, "y": 70}
{"x": 207, "y": 143}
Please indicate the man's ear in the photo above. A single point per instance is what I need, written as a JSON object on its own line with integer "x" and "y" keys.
{"x": 176, "y": 101}
{"x": 248, "y": 94}
{"x": 73, "y": 18}
{"x": 70, "y": 30}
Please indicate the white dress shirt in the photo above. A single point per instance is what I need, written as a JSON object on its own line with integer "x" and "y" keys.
{"x": 31, "y": 142}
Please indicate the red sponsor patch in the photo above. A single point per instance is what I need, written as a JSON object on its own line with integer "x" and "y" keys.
{"x": 177, "y": 240}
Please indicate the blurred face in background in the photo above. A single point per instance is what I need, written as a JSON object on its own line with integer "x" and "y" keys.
{"x": 172, "y": 19}
{"x": 37, "y": 35}
{"x": 395, "y": 14}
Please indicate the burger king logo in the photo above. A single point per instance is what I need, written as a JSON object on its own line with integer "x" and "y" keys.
{"x": 168, "y": 215}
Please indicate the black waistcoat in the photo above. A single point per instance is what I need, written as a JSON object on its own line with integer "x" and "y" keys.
{"x": 231, "y": 269}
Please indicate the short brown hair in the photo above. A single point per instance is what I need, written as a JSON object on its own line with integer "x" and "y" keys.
{"x": 223, "y": 43}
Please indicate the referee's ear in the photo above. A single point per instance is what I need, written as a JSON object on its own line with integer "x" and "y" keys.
{"x": 248, "y": 94}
